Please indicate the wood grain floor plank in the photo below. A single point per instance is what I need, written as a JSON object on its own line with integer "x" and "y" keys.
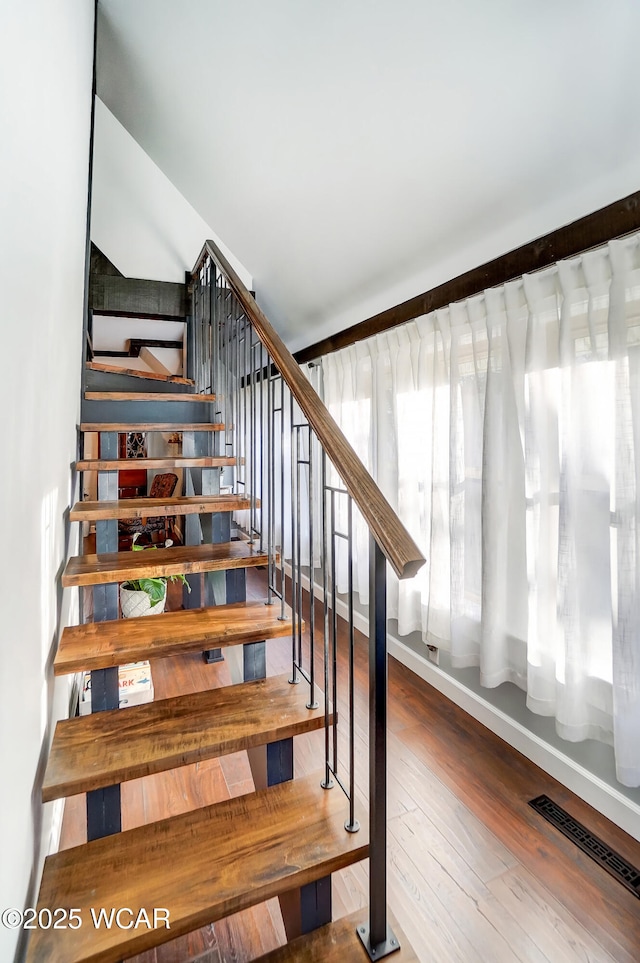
{"x": 434, "y": 932}
{"x": 455, "y": 884}
{"x": 556, "y": 933}
{"x": 489, "y": 787}
{"x": 482, "y": 851}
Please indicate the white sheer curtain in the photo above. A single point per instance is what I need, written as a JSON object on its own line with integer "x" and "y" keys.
{"x": 506, "y": 431}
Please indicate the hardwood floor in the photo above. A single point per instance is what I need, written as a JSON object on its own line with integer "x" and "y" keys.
{"x": 475, "y": 875}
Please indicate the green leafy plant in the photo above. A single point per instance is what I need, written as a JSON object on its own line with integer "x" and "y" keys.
{"x": 154, "y": 587}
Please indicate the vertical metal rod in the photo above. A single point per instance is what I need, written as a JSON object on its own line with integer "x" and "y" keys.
{"x": 245, "y": 433}
{"x": 328, "y": 782}
{"x": 211, "y": 362}
{"x": 197, "y": 308}
{"x": 215, "y": 334}
{"x": 270, "y": 467}
{"x": 229, "y": 413}
{"x": 252, "y": 511}
{"x": 352, "y": 824}
{"x": 312, "y": 704}
{"x": 236, "y": 406}
{"x": 298, "y": 547}
{"x": 213, "y": 322}
{"x": 377, "y": 744}
{"x": 334, "y": 630}
{"x": 294, "y": 613}
{"x": 282, "y": 576}
{"x": 220, "y": 356}
{"x": 222, "y": 302}
{"x": 202, "y": 305}
{"x": 261, "y": 433}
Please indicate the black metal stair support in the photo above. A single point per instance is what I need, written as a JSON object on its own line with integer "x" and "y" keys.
{"x": 103, "y": 805}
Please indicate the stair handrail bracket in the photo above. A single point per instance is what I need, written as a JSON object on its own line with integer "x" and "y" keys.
{"x": 278, "y": 418}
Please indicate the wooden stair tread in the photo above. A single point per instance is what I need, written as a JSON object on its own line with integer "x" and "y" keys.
{"x": 338, "y": 942}
{"x": 150, "y": 507}
{"x": 200, "y": 866}
{"x": 145, "y": 396}
{"x": 177, "y": 461}
{"x": 101, "y": 645}
{"x": 150, "y": 426}
{"x": 187, "y": 559}
{"x": 105, "y": 748}
{"x": 135, "y": 373}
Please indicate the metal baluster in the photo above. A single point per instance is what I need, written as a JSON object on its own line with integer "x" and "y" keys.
{"x": 327, "y": 782}
{"x": 206, "y": 316}
{"x": 299, "y": 547}
{"x": 238, "y": 406}
{"x": 210, "y": 359}
{"x": 282, "y": 575}
{"x": 312, "y": 703}
{"x": 252, "y": 511}
{"x": 245, "y": 400}
{"x": 351, "y": 825}
{"x": 334, "y": 631}
{"x": 271, "y": 578}
{"x": 236, "y": 403}
{"x": 294, "y": 613}
{"x": 262, "y": 462}
{"x": 215, "y": 337}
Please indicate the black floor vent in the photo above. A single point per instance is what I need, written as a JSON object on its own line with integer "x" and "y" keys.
{"x": 614, "y": 864}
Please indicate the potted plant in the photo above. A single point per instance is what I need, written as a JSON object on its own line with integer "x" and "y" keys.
{"x": 146, "y": 596}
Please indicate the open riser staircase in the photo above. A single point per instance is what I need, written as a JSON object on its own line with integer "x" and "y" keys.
{"x": 268, "y": 482}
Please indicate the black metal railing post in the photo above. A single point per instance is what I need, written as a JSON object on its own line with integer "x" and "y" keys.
{"x": 377, "y": 937}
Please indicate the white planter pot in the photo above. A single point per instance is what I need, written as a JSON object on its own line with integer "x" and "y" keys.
{"x": 136, "y": 603}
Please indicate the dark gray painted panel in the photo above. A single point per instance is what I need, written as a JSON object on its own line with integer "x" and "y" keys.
{"x": 137, "y": 412}
{"x": 137, "y": 296}
{"x": 107, "y": 381}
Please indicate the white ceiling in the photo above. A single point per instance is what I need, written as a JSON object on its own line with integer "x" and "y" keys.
{"x": 352, "y": 153}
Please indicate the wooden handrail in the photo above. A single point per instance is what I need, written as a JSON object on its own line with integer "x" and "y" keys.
{"x": 397, "y": 545}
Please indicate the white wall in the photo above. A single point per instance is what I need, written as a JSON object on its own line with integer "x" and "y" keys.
{"x": 139, "y": 219}
{"x": 46, "y": 52}
{"x": 355, "y": 153}
{"x": 112, "y": 334}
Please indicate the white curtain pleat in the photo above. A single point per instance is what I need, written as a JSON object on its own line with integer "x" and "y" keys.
{"x": 624, "y": 348}
{"x": 506, "y": 432}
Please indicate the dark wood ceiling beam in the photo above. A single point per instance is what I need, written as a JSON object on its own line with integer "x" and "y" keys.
{"x": 620, "y": 218}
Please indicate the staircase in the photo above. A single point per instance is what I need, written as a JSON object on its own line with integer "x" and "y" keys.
{"x": 288, "y": 836}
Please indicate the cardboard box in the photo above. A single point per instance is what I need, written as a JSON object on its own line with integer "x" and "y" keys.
{"x": 134, "y": 682}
